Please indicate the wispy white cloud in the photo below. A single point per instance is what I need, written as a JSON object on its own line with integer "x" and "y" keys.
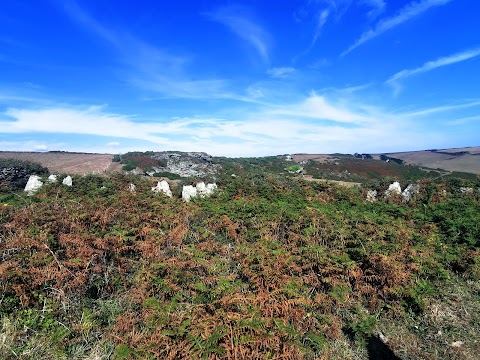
{"x": 255, "y": 92}
{"x": 320, "y": 108}
{"x": 317, "y": 123}
{"x": 87, "y": 121}
{"x": 80, "y": 16}
{"x": 344, "y": 91}
{"x": 409, "y": 11}
{"x": 324, "y": 10}
{"x": 179, "y": 88}
{"x": 281, "y": 72}
{"x": 239, "y": 22}
{"x": 464, "y": 120}
{"x": 7, "y": 98}
{"x": 431, "y": 65}
{"x": 376, "y": 7}
{"x": 148, "y": 67}
{"x": 443, "y": 109}
{"x": 321, "y": 21}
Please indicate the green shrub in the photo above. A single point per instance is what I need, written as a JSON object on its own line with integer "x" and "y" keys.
{"x": 128, "y": 167}
{"x": 168, "y": 175}
{"x": 294, "y": 168}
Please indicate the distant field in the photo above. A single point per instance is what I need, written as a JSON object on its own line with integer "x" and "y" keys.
{"x": 321, "y": 158}
{"x": 69, "y": 163}
{"x": 461, "y": 159}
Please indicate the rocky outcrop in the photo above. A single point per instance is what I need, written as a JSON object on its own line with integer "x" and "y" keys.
{"x": 68, "y": 181}
{"x": 185, "y": 164}
{"x": 34, "y": 183}
{"x": 189, "y": 191}
{"x": 162, "y": 186}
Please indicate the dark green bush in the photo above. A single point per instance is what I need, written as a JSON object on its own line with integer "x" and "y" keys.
{"x": 168, "y": 175}
{"x": 14, "y": 173}
{"x": 128, "y": 167}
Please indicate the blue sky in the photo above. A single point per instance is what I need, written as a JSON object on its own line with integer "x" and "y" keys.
{"x": 239, "y": 78}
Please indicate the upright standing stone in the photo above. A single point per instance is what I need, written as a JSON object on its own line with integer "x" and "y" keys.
{"x": 52, "y": 178}
{"x": 163, "y": 186}
{"x": 410, "y": 190}
{"x": 68, "y": 181}
{"x": 33, "y": 185}
{"x": 394, "y": 189}
{"x": 188, "y": 192}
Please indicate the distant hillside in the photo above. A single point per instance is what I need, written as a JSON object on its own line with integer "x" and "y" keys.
{"x": 67, "y": 162}
{"x": 461, "y": 159}
{"x": 464, "y": 162}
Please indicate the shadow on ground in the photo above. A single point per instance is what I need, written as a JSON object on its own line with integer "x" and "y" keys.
{"x": 377, "y": 350}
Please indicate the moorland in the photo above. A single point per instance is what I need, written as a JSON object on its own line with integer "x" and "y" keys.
{"x": 281, "y": 262}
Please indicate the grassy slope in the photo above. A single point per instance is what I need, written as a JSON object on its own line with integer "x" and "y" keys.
{"x": 269, "y": 267}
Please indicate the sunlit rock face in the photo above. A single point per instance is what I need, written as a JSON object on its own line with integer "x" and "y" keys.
{"x": 164, "y": 187}
{"x": 33, "y": 184}
{"x": 185, "y": 164}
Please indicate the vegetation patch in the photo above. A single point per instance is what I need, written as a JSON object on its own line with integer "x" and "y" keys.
{"x": 270, "y": 267}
